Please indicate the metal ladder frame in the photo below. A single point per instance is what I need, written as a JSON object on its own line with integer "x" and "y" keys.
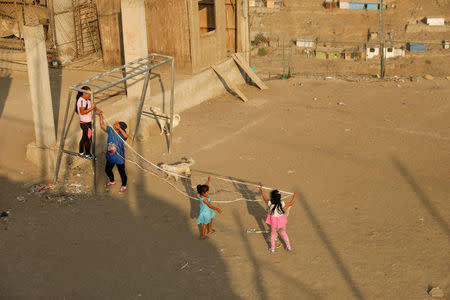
{"x": 122, "y": 76}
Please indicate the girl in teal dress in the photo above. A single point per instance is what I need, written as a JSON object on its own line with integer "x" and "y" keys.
{"x": 206, "y": 215}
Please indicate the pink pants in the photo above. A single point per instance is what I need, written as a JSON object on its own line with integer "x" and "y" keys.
{"x": 273, "y": 236}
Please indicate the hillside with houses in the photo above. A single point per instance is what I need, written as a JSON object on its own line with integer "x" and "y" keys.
{"x": 350, "y": 30}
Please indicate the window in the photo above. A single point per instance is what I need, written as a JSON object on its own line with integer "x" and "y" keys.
{"x": 207, "y": 15}
{"x": 390, "y": 50}
{"x": 372, "y": 50}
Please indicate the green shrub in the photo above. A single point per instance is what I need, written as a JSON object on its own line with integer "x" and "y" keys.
{"x": 262, "y": 52}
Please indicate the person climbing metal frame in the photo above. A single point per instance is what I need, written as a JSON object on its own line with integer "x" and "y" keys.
{"x": 116, "y": 81}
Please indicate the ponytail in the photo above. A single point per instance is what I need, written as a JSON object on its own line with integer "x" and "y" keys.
{"x": 275, "y": 200}
{"x": 79, "y": 94}
{"x": 202, "y": 188}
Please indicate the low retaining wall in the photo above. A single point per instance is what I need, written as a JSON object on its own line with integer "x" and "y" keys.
{"x": 187, "y": 93}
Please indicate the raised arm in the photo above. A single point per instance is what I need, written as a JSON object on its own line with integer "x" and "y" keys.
{"x": 98, "y": 110}
{"x": 292, "y": 201}
{"x": 263, "y": 195}
{"x": 209, "y": 179}
{"x": 212, "y": 207}
{"x": 125, "y": 135}
{"x": 102, "y": 123}
{"x": 84, "y": 111}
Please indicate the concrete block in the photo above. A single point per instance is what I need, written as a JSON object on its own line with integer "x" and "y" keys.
{"x": 436, "y": 293}
{"x": 44, "y": 158}
{"x": 38, "y": 77}
{"x": 134, "y": 37}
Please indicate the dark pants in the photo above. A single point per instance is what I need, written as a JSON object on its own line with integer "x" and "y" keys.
{"x": 86, "y": 139}
{"x": 123, "y": 176}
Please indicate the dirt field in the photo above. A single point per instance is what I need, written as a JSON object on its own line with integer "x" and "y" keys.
{"x": 371, "y": 222}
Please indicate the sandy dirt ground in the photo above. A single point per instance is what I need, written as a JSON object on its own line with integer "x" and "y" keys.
{"x": 371, "y": 221}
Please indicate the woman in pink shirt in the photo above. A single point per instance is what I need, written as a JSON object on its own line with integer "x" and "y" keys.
{"x": 84, "y": 108}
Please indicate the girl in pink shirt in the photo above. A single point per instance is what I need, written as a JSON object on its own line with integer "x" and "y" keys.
{"x": 84, "y": 108}
{"x": 276, "y": 217}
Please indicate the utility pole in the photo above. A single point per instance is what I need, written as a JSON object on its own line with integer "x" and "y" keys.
{"x": 382, "y": 60}
{"x": 52, "y": 29}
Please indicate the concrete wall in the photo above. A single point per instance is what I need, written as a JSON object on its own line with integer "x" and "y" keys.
{"x": 370, "y": 55}
{"x": 134, "y": 38}
{"x": 436, "y": 21}
{"x": 40, "y": 151}
{"x": 243, "y": 32}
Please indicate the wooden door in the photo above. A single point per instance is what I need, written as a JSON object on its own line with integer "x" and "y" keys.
{"x": 231, "y": 28}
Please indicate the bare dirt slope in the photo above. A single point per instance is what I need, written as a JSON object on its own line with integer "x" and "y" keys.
{"x": 349, "y": 29}
{"x": 371, "y": 222}
{"x": 308, "y": 18}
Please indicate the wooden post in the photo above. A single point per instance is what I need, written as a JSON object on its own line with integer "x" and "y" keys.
{"x": 52, "y": 24}
{"x": 382, "y": 62}
{"x": 18, "y": 22}
{"x": 81, "y": 28}
{"x": 75, "y": 29}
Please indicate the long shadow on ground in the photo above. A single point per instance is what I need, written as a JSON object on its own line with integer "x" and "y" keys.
{"x": 97, "y": 248}
{"x": 5, "y": 84}
{"x": 342, "y": 268}
{"x": 421, "y": 195}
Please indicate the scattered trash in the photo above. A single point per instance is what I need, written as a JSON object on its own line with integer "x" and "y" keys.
{"x": 398, "y": 85}
{"x": 404, "y": 102}
{"x": 253, "y": 230}
{"x": 341, "y": 103}
{"x": 21, "y": 198}
{"x": 4, "y": 214}
{"x": 184, "y": 266}
{"x": 75, "y": 188}
{"x": 428, "y": 77}
{"x": 40, "y": 188}
{"x": 436, "y": 292}
{"x": 315, "y": 98}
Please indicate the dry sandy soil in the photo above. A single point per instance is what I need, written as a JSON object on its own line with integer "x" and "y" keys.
{"x": 347, "y": 29}
{"x": 371, "y": 222}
